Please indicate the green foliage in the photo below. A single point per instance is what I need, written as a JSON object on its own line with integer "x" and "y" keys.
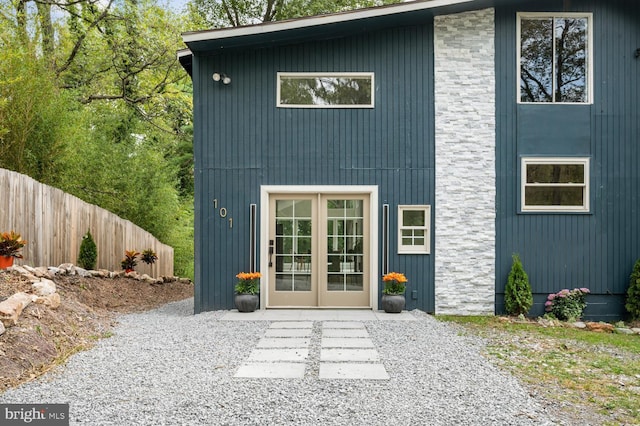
{"x": 518, "y": 298}
{"x": 248, "y": 283}
{"x": 88, "y": 255}
{"x": 204, "y": 14}
{"x": 633, "y": 293}
{"x": 149, "y": 256}
{"x": 567, "y": 305}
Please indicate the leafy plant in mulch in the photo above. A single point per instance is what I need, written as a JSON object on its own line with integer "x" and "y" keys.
{"x": 633, "y": 293}
{"x": 88, "y": 256}
{"x": 518, "y": 298}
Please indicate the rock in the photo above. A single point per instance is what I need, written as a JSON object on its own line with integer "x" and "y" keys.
{"x": 19, "y": 269}
{"x": 11, "y": 308}
{"x": 147, "y": 278}
{"x": 601, "y": 327}
{"x": 636, "y": 330}
{"x": 69, "y": 268}
{"x": 29, "y": 269}
{"x": 2, "y": 329}
{"x": 184, "y": 281}
{"x": 55, "y": 271}
{"x": 579, "y": 324}
{"x": 41, "y": 272}
{"x": 82, "y": 272}
{"x": 621, "y": 330}
{"x": 102, "y": 273}
{"x": 44, "y": 287}
{"x": 51, "y": 300}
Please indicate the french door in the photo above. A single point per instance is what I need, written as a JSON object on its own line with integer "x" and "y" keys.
{"x": 319, "y": 250}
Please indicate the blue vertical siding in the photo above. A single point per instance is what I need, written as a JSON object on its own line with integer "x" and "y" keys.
{"x": 595, "y": 250}
{"x": 243, "y": 141}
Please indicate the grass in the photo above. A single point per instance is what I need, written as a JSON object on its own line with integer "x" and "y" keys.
{"x": 588, "y": 370}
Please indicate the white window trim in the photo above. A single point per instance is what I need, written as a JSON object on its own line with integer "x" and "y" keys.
{"x": 590, "y": 54}
{"x": 412, "y": 249}
{"x": 585, "y": 208}
{"x": 279, "y": 76}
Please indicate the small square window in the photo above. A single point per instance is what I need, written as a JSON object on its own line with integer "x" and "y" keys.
{"x": 413, "y": 229}
{"x": 555, "y": 184}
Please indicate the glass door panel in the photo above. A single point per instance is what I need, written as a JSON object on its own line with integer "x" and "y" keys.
{"x": 292, "y": 270}
{"x": 345, "y": 283}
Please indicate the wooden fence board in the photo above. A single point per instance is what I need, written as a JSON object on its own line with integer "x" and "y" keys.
{"x": 54, "y": 222}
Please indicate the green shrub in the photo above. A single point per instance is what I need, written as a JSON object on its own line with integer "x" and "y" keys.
{"x": 518, "y": 298}
{"x": 567, "y": 305}
{"x": 88, "y": 255}
{"x": 633, "y": 293}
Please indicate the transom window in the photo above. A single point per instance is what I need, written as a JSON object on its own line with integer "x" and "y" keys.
{"x": 554, "y": 57}
{"x": 325, "y": 90}
{"x": 555, "y": 184}
{"x": 413, "y": 229}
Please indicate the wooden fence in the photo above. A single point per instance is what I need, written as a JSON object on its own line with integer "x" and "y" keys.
{"x": 54, "y": 222}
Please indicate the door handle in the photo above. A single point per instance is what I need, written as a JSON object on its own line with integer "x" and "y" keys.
{"x": 271, "y": 249}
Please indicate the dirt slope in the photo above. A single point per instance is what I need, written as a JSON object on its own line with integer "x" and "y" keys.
{"x": 45, "y": 337}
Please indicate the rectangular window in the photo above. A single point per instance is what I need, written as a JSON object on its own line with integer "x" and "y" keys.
{"x": 413, "y": 229}
{"x": 555, "y": 184}
{"x": 554, "y": 58}
{"x": 325, "y": 90}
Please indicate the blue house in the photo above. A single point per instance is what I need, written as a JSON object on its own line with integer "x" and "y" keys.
{"x": 435, "y": 138}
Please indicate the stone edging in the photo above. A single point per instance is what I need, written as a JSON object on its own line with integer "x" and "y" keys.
{"x": 44, "y": 289}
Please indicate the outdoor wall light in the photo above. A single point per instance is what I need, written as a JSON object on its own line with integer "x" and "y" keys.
{"x": 221, "y": 77}
{"x": 637, "y": 53}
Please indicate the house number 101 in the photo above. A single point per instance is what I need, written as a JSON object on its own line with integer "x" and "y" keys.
{"x": 222, "y": 212}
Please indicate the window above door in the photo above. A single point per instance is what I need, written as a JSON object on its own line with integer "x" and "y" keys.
{"x": 325, "y": 90}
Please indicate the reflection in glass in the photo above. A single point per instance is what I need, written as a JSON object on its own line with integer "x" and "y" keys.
{"x": 293, "y": 245}
{"x": 555, "y": 173}
{"x": 326, "y": 90}
{"x": 345, "y": 245}
{"x": 554, "y": 196}
{"x": 553, "y": 59}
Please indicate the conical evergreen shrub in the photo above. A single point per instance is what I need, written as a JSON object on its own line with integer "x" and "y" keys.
{"x": 518, "y": 298}
{"x": 633, "y": 293}
{"x": 88, "y": 255}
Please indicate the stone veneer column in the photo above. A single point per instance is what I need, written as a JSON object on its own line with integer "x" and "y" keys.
{"x": 465, "y": 163}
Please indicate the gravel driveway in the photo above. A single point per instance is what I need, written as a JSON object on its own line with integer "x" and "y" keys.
{"x": 169, "y": 367}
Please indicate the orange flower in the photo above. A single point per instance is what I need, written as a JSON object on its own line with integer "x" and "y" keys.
{"x": 395, "y": 276}
{"x": 247, "y": 276}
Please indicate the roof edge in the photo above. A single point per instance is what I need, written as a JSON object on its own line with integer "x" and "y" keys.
{"x": 318, "y": 20}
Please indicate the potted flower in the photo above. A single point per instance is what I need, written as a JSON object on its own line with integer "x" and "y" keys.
{"x": 130, "y": 260}
{"x": 247, "y": 289}
{"x": 11, "y": 244}
{"x": 393, "y": 300}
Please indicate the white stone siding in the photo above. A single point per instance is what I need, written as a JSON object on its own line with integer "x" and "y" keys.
{"x": 465, "y": 163}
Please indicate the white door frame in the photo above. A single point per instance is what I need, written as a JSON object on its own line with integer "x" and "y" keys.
{"x": 265, "y": 193}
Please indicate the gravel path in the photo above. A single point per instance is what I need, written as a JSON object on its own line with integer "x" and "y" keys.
{"x": 169, "y": 367}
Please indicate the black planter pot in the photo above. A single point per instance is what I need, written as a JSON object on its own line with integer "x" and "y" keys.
{"x": 393, "y": 303}
{"x": 247, "y": 302}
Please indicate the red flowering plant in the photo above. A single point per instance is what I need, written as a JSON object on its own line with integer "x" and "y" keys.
{"x": 567, "y": 305}
{"x": 249, "y": 283}
{"x": 394, "y": 283}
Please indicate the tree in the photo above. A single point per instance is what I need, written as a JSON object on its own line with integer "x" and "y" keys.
{"x": 518, "y": 298}
{"x": 205, "y": 14}
{"x": 88, "y": 255}
{"x": 633, "y": 293}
